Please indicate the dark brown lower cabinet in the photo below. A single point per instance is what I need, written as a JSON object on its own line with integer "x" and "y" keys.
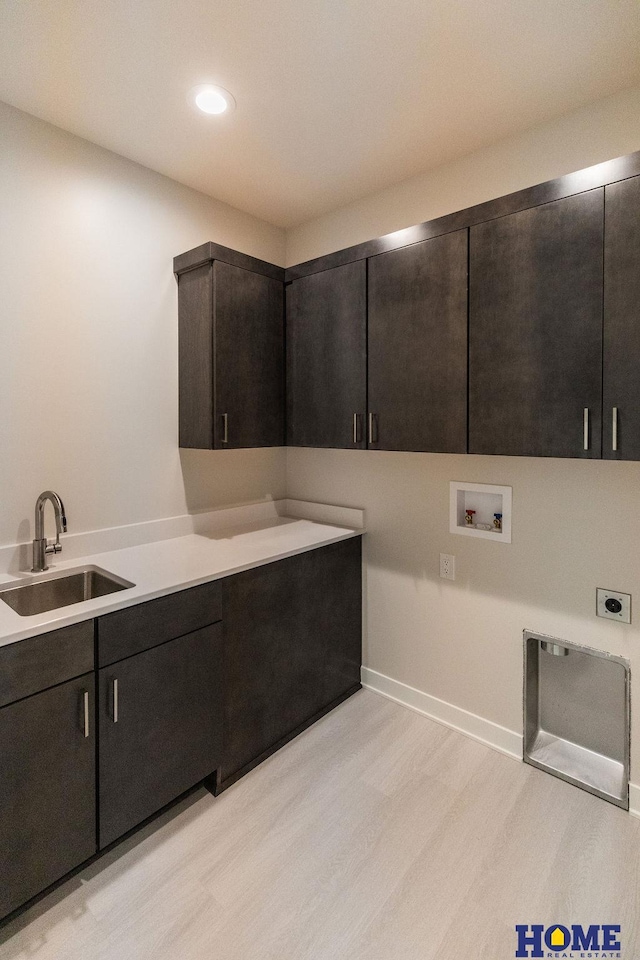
{"x": 47, "y": 791}
{"x": 164, "y": 722}
{"x": 160, "y": 717}
{"x": 293, "y": 644}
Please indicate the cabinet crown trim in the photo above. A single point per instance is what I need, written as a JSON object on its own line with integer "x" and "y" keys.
{"x": 208, "y": 252}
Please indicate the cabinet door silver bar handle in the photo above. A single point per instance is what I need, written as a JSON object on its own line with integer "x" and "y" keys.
{"x": 614, "y": 429}
{"x": 85, "y": 704}
{"x": 115, "y": 700}
{"x": 356, "y": 432}
{"x": 225, "y": 428}
{"x": 373, "y": 433}
{"x": 585, "y": 429}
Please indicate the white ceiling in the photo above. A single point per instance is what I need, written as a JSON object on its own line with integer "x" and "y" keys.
{"x": 335, "y": 98}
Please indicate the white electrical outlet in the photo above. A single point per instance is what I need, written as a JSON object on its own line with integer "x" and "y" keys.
{"x": 614, "y": 605}
{"x": 447, "y": 566}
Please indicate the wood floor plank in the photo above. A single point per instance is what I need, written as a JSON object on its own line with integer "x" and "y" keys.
{"x": 520, "y": 882}
{"x": 449, "y": 870}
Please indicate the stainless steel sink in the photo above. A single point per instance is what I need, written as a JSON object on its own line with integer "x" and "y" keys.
{"x": 38, "y": 594}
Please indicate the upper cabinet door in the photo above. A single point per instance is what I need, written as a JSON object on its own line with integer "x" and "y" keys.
{"x": 418, "y": 346}
{"x": 535, "y": 331}
{"x": 327, "y": 358}
{"x": 249, "y": 358}
{"x": 621, "y": 428}
{"x": 231, "y": 358}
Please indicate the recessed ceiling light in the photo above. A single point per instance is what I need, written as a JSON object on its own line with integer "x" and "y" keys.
{"x": 211, "y": 99}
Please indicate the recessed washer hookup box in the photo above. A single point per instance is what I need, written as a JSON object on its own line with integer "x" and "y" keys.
{"x": 576, "y": 715}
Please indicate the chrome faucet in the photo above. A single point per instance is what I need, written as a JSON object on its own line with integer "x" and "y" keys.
{"x": 41, "y": 547}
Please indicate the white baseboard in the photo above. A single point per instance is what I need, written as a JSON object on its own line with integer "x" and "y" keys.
{"x": 485, "y": 731}
{"x": 634, "y": 799}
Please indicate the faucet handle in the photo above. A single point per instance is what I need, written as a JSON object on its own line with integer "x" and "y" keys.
{"x": 53, "y": 546}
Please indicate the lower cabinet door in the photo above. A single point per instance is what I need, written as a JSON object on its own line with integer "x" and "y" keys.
{"x": 293, "y": 646}
{"x": 160, "y": 717}
{"x": 47, "y": 789}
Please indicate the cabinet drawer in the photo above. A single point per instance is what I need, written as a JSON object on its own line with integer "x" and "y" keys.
{"x": 145, "y": 625}
{"x": 32, "y": 665}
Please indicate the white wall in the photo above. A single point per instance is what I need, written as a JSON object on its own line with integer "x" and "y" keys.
{"x": 88, "y": 336}
{"x": 576, "y": 524}
{"x": 601, "y": 131}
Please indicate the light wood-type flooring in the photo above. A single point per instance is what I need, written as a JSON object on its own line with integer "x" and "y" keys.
{"x": 375, "y": 835}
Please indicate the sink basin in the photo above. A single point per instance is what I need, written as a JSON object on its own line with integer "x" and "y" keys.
{"x": 30, "y": 596}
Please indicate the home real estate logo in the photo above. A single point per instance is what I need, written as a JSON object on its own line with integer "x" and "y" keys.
{"x": 597, "y": 941}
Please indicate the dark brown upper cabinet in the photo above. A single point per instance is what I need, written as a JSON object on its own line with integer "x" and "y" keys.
{"x": 417, "y": 346}
{"x": 327, "y": 358}
{"x": 375, "y": 351}
{"x": 621, "y": 382}
{"x": 535, "y": 330}
{"x": 231, "y": 357}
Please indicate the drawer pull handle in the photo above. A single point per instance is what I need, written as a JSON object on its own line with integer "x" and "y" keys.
{"x": 115, "y": 700}
{"x": 85, "y": 707}
{"x": 585, "y": 428}
{"x": 373, "y": 428}
{"x": 614, "y": 429}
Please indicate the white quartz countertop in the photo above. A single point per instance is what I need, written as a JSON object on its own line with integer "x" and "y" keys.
{"x": 166, "y": 566}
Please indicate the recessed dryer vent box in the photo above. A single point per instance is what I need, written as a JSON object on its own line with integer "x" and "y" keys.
{"x": 576, "y": 715}
{"x": 485, "y": 500}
